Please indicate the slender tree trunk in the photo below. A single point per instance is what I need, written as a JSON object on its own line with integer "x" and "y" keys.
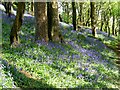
{"x": 49, "y": 15}
{"x": 14, "y": 39}
{"x": 113, "y": 25}
{"x": 60, "y": 18}
{"x": 8, "y": 8}
{"x": 108, "y": 27}
{"x": 80, "y": 14}
{"x": 32, "y": 8}
{"x": 88, "y": 18}
{"x": 93, "y": 19}
{"x": 102, "y": 23}
{"x": 41, "y": 21}
{"x": 67, "y": 4}
{"x": 74, "y": 14}
{"x": 119, "y": 18}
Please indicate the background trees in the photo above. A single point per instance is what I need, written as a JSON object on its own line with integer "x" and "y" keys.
{"x": 100, "y": 15}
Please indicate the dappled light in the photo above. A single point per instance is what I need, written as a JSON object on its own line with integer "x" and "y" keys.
{"x": 82, "y": 61}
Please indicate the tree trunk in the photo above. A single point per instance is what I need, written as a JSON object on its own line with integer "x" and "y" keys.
{"x": 80, "y": 14}
{"x": 8, "y": 8}
{"x": 101, "y": 27}
{"x": 49, "y": 15}
{"x": 74, "y": 14}
{"x": 41, "y": 21}
{"x": 105, "y": 21}
{"x": 55, "y": 21}
{"x": 14, "y": 39}
{"x": 67, "y": 10}
{"x": 32, "y": 8}
{"x": 88, "y": 18}
{"x": 93, "y": 19}
{"x": 118, "y": 18}
{"x": 113, "y": 25}
{"x": 60, "y": 18}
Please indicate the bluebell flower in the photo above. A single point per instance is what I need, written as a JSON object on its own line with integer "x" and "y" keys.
{"x": 80, "y": 76}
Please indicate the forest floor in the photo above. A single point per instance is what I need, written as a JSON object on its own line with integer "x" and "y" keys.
{"x": 83, "y": 61}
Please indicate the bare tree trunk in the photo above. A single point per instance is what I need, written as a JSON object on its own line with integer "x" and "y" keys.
{"x": 49, "y": 15}
{"x": 74, "y": 14}
{"x": 67, "y": 12}
{"x": 8, "y": 8}
{"x": 88, "y": 18}
{"x": 14, "y": 39}
{"x": 102, "y": 23}
{"x": 32, "y": 7}
{"x": 60, "y": 18}
{"x": 93, "y": 19}
{"x": 80, "y": 14}
{"x": 55, "y": 21}
{"x": 113, "y": 25}
{"x": 41, "y": 21}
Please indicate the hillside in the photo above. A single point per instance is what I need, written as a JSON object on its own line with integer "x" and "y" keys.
{"x": 83, "y": 61}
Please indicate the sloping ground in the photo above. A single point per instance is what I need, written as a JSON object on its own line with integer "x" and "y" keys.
{"x": 83, "y": 61}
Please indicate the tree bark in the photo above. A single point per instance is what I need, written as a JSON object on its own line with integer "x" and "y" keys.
{"x": 93, "y": 19}
{"x": 113, "y": 25}
{"x": 67, "y": 10}
{"x": 74, "y": 14}
{"x": 41, "y": 21}
{"x": 8, "y": 8}
{"x": 14, "y": 39}
{"x": 55, "y": 21}
{"x": 49, "y": 15}
{"x": 32, "y": 7}
{"x": 102, "y": 23}
{"x": 88, "y": 18}
{"x": 81, "y": 9}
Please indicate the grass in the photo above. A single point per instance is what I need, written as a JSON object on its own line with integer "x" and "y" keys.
{"x": 82, "y": 62}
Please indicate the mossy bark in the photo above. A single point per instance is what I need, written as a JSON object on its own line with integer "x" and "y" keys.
{"x": 41, "y": 32}
{"x": 14, "y": 39}
{"x": 53, "y": 22}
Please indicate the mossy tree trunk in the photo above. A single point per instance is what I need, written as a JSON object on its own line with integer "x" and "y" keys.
{"x": 41, "y": 21}
{"x": 93, "y": 18}
{"x": 14, "y": 39}
{"x": 53, "y": 21}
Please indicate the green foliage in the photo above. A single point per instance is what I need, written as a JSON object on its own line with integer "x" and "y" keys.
{"x": 82, "y": 62}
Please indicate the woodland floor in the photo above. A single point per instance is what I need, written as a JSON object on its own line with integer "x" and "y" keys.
{"x": 83, "y": 61}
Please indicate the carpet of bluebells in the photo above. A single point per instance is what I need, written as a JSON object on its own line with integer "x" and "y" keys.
{"x": 81, "y": 62}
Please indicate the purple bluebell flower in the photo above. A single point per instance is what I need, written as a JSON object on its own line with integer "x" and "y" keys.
{"x": 80, "y": 76}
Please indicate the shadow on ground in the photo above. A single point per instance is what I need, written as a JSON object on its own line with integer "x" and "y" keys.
{"x": 23, "y": 81}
